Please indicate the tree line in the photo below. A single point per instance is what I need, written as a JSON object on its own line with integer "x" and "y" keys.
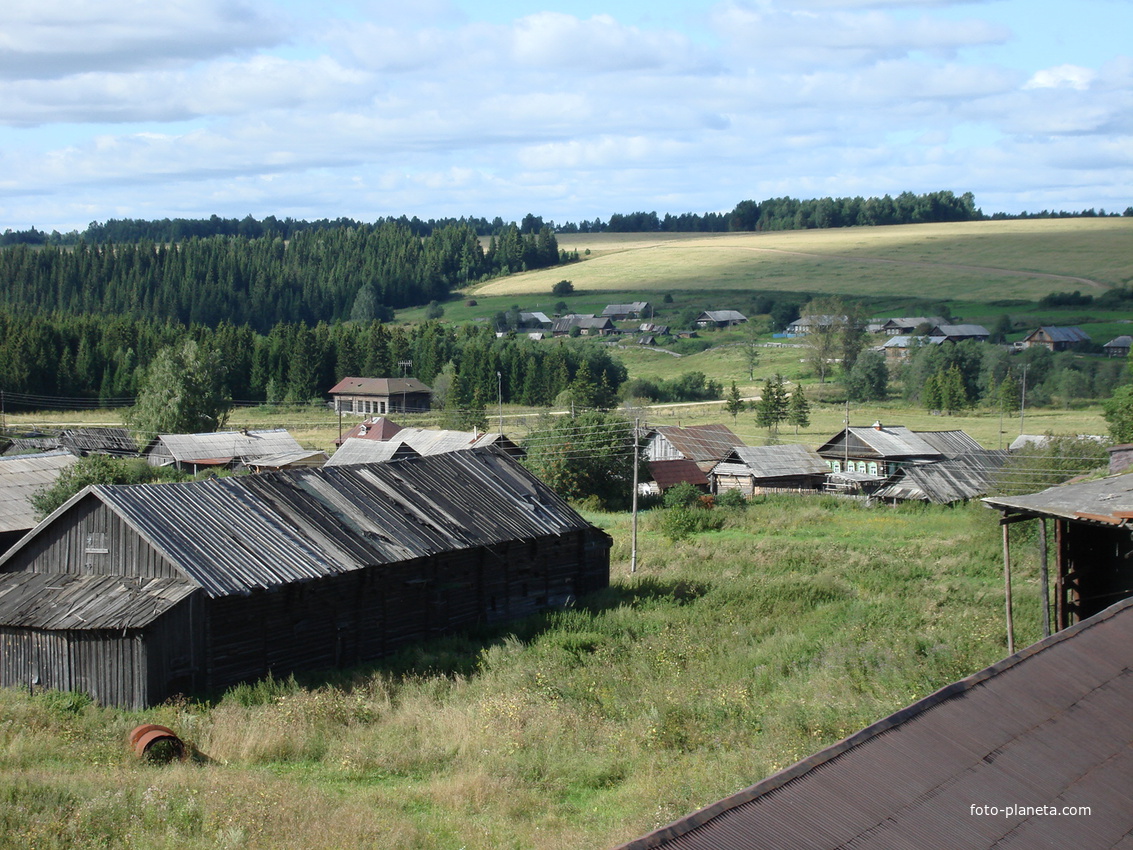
{"x": 330, "y": 275}
{"x": 61, "y": 360}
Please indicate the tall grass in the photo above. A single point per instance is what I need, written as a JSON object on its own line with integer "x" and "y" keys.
{"x": 723, "y": 658}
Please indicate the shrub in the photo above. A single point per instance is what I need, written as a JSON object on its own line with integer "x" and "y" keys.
{"x": 563, "y": 287}
{"x": 680, "y": 523}
{"x": 683, "y": 495}
{"x": 731, "y": 499}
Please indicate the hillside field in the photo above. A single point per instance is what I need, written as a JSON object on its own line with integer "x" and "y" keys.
{"x": 970, "y": 261}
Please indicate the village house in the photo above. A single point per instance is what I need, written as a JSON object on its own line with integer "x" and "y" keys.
{"x": 369, "y": 396}
{"x": 133, "y": 594}
{"x": 720, "y": 319}
{"x": 992, "y": 760}
{"x": 1119, "y": 346}
{"x": 758, "y": 470}
{"x": 898, "y": 348}
{"x": 621, "y": 312}
{"x": 1055, "y": 338}
{"x": 960, "y": 333}
{"x": 706, "y": 445}
{"x": 219, "y": 449}
{"x": 879, "y": 451}
{"x": 804, "y": 325}
{"x": 907, "y": 325}
{"x": 586, "y": 325}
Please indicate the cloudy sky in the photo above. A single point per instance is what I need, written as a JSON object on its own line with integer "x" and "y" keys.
{"x": 360, "y": 108}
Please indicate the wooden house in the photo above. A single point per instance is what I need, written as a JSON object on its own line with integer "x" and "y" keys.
{"x": 879, "y": 451}
{"x": 960, "y": 333}
{"x": 1119, "y": 346}
{"x": 377, "y": 428}
{"x": 1056, "y": 339}
{"x": 720, "y": 318}
{"x": 586, "y": 325}
{"x": 756, "y": 470}
{"x": 907, "y": 325}
{"x": 621, "y": 312}
{"x": 1033, "y": 751}
{"x": 705, "y": 444}
{"x": 380, "y": 396}
{"x": 135, "y": 593}
{"x": 219, "y": 449}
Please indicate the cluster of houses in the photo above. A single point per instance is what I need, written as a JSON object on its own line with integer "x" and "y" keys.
{"x": 538, "y": 325}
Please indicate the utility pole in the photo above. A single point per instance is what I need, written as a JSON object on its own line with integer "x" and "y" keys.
{"x": 1023, "y": 400}
{"x": 633, "y": 523}
{"x": 500, "y": 396}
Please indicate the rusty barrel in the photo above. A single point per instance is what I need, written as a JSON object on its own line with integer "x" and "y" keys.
{"x": 158, "y": 743}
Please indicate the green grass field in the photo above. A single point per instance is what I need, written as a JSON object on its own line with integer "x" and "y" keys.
{"x": 723, "y": 659}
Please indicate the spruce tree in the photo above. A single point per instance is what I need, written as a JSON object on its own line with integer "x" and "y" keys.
{"x": 798, "y": 410}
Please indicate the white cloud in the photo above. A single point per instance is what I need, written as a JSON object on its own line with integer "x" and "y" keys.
{"x": 1062, "y": 76}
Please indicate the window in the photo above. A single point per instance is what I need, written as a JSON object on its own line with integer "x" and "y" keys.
{"x": 96, "y": 543}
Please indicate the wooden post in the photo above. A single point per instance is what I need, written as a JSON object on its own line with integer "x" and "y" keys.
{"x": 1007, "y": 589}
{"x": 1045, "y": 576}
{"x": 633, "y": 536}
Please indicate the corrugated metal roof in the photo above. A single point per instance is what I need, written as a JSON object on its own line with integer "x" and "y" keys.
{"x": 20, "y": 477}
{"x": 951, "y": 444}
{"x": 722, "y": 316}
{"x": 959, "y": 330}
{"x": 1048, "y": 726}
{"x": 700, "y": 442}
{"x": 236, "y": 534}
{"x": 778, "y": 461}
{"x": 187, "y": 448}
{"x": 355, "y": 450}
{"x": 57, "y": 601}
{"x": 1060, "y": 334}
{"x": 1108, "y": 497}
{"x": 111, "y": 441}
{"x": 946, "y": 481}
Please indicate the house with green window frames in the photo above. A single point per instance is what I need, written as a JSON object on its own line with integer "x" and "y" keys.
{"x": 880, "y": 450}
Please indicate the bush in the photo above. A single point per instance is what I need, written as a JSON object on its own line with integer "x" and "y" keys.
{"x": 563, "y": 287}
{"x": 731, "y": 499}
{"x": 680, "y": 523}
{"x": 683, "y": 495}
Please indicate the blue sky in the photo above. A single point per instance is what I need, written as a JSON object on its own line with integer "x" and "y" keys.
{"x": 368, "y": 108}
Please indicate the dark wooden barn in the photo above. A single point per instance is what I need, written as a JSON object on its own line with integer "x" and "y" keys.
{"x": 135, "y": 593}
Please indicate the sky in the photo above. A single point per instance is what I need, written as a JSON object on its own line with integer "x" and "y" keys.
{"x": 570, "y": 111}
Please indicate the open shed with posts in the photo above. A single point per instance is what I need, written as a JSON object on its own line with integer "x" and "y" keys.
{"x": 1093, "y": 542}
{"x": 136, "y": 593}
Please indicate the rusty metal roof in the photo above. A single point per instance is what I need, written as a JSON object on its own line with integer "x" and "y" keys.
{"x": 67, "y": 601}
{"x": 1048, "y": 726}
{"x": 1108, "y": 500}
{"x": 237, "y": 534}
{"x": 378, "y": 386}
{"x": 668, "y": 473}
{"x": 21, "y": 476}
{"x": 700, "y": 442}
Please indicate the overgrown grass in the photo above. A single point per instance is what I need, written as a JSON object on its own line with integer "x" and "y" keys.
{"x": 723, "y": 658}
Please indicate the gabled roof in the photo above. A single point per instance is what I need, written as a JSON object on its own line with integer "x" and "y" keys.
{"x": 891, "y": 441}
{"x": 722, "y": 316}
{"x": 20, "y": 477}
{"x": 1059, "y": 334}
{"x": 1123, "y": 341}
{"x": 111, "y": 441}
{"x": 234, "y": 535}
{"x": 223, "y": 446}
{"x": 959, "y": 330}
{"x": 378, "y": 386}
{"x": 668, "y": 473}
{"x": 563, "y": 324}
{"x": 700, "y": 442}
{"x": 912, "y": 322}
{"x": 1048, "y": 726}
{"x": 947, "y": 481}
{"x": 355, "y": 450}
{"x": 625, "y": 309}
{"x": 782, "y": 461}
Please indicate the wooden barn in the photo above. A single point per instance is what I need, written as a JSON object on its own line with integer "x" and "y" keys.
{"x": 136, "y": 593}
{"x": 758, "y": 470}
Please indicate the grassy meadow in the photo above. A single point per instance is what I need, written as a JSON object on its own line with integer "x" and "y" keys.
{"x": 726, "y": 657}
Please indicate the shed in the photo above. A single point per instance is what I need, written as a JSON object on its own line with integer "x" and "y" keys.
{"x": 117, "y": 442}
{"x": 1093, "y": 544}
{"x": 947, "y": 481}
{"x": 1033, "y": 751}
{"x": 218, "y": 449}
{"x": 1119, "y": 346}
{"x": 380, "y": 395}
{"x": 670, "y": 473}
{"x": 21, "y": 477}
{"x": 756, "y": 470}
{"x": 136, "y": 593}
